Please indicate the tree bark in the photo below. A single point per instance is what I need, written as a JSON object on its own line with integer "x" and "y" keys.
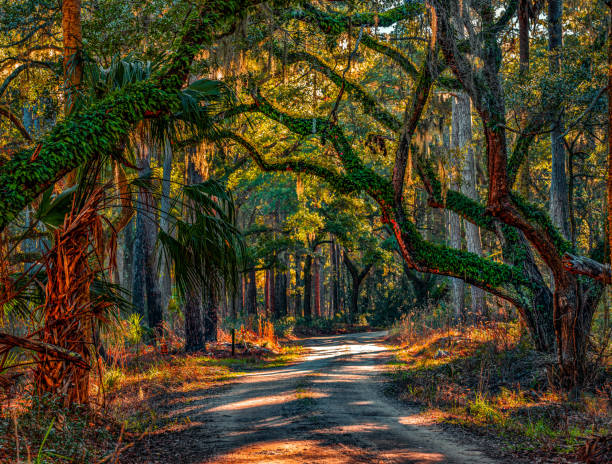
{"x": 280, "y": 297}
{"x": 461, "y": 142}
{"x": 609, "y": 184}
{"x": 267, "y": 291}
{"x": 454, "y": 222}
{"x": 193, "y": 308}
{"x": 211, "y": 316}
{"x": 308, "y": 287}
{"x": 272, "y": 292}
{"x": 559, "y": 197}
{"x": 356, "y": 281}
{"x": 165, "y": 281}
{"x": 298, "y": 284}
{"x": 523, "y": 20}
{"x": 251, "y": 297}
{"x": 317, "y": 286}
{"x": 194, "y": 330}
{"x": 148, "y": 210}
{"x": 73, "y": 44}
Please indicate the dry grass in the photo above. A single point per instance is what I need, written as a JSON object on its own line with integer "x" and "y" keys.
{"x": 128, "y": 397}
{"x": 489, "y": 380}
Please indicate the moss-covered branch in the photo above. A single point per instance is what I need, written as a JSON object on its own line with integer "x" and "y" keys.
{"x": 334, "y": 23}
{"x": 337, "y": 181}
{"x": 369, "y": 103}
{"x": 100, "y": 128}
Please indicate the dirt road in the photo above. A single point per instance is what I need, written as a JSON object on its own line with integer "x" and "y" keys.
{"x": 326, "y": 409}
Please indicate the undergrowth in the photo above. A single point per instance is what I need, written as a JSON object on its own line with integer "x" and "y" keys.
{"x": 490, "y": 380}
{"x": 130, "y": 396}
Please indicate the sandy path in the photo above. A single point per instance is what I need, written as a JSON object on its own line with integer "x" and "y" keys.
{"x": 326, "y": 409}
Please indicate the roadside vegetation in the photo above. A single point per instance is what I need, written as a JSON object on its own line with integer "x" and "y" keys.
{"x": 130, "y": 396}
{"x": 489, "y": 380}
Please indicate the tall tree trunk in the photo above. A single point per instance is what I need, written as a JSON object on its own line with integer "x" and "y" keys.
{"x": 148, "y": 210}
{"x": 559, "y": 206}
{"x": 165, "y": 281}
{"x": 454, "y": 231}
{"x": 298, "y": 286}
{"x": 243, "y": 293}
{"x": 461, "y": 143}
{"x": 272, "y": 292}
{"x": 335, "y": 293}
{"x": 356, "y": 281}
{"x": 523, "y": 20}
{"x": 211, "y": 316}
{"x": 280, "y": 297}
{"x": 251, "y": 297}
{"x": 138, "y": 262}
{"x": 267, "y": 291}
{"x": 194, "y": 327}
{"x": 308, "y": 287}
{"x": 573, "y": 315}
{"x": 193, "y": 311}
{"x": 73, "y": 44}
{"x": 609, "y": 186}
{"x": 317, "y": 286}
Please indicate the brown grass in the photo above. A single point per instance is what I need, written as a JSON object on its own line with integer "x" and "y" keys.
{"x": 489, "y": 380}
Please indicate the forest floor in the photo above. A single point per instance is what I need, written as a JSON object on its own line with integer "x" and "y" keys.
{"x": 488, "y": 382}
{"x": 329, "y": 407}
